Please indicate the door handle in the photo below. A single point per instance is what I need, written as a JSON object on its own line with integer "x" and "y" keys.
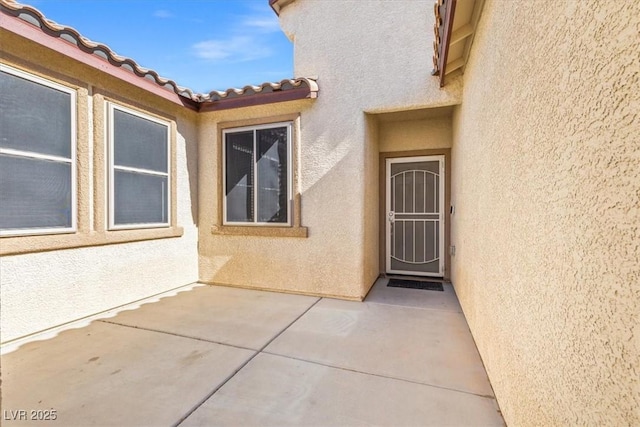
{"x": 392, "y": 216}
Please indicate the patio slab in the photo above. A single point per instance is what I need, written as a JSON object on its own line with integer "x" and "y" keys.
{"x": 106, "y": 374}
{"x": 419, "y": 298}
{"x": 239, "y": 317}
{"x": 319, "y": 362}
{"x": 277, "y": 391}
{"x": 427, "y": 346}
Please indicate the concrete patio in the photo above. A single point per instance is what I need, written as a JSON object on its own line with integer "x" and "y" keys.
{"x": 223, "y": 356}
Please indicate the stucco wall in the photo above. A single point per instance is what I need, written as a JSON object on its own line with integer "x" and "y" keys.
{"x": 546, "y": 185}
{"x": 409, "y": 135}
{"x": 327, "y": 262}
{"x": 372, "y": 212}
{"x": 41, "y": 290}
{"x": 364, "y": 63}
{"x": 338, "y": 146}
{"x": 293, "y": 264}
{"x": 368, "y": 56}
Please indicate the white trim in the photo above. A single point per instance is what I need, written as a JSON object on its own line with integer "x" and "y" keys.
{"x": 137, "y": 113}
{"x": 109, "y": 158}
{"x": 254, "y": 166}
{"x": 255, "y": 223}
{"x": 140, "y": 170}
{"x": 106, "y": 131}
{"x": 441, "y": 218}
{"x": 36, "y": 231}
{"x": 137, "y": 226}
{"x": 36, "y": 79}
{"x": 33, "y": 155}
{"x": 111, "y": 167}
{"x": 73, "y": 160}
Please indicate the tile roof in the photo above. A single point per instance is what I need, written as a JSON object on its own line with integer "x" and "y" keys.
{"x": 36, "y": 18}
{"x": 269, "y": 87}
{"x": 454, "y": 29}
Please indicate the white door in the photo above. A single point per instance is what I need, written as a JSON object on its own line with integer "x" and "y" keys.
{"x": 415, "y": 215}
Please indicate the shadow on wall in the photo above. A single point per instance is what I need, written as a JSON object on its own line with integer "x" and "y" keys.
{"x": 330, "y": 260}
{"x": 35, "y": 340}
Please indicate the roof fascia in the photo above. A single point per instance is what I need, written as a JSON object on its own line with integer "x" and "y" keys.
{"x": 278, "y": 5}
{"x": 258, "y": 99}
{"x": 448, "y": 29}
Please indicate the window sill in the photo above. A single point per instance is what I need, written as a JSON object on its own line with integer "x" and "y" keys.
{"x": 15, "y": 245}
{"x": 233, "y": 230}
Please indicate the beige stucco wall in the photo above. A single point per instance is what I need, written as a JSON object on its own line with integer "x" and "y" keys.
{"x": 338, "y": 155}
{"x": 40, "y": 290}
{"x": 411, "y": 135}
{"x": 370, "y": 244}
{"x": 546, "y": 185}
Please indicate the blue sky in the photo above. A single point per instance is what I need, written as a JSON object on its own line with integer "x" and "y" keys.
{"x": 204, "y": 45}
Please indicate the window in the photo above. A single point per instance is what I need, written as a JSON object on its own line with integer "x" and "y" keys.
{"x": 139, "y": 160}
{"x": 37, "y": 155}
{"x": 257, "y": 175}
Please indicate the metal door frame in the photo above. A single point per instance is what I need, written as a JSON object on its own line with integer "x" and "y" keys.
{"x": 441, "y": 218}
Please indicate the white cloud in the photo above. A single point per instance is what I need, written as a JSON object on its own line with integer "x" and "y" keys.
{"x": 261, "y": 23}
{"x": 248, "y": 40}
{"x": 162, "y": 14}
{"x": 233, "y": 49}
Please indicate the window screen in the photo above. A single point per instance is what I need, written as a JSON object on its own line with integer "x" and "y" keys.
{"x": 239, "y": 183}
{"x": 272, "y": 175}
{"x": 34, "y": 117}
{"x": 36, "y": 154}
{"x": 139, "y": 198}
{"x": 35, "y": 193}
{"x": 140, "y": 170}
{"x": 257, "y": 175}
{"x": 139, "y": 143}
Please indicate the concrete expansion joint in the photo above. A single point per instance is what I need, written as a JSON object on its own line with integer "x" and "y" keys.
{"x": 379, "y": 375}
{"x": 233, "y": 374}
{"x": 174, "y": 334}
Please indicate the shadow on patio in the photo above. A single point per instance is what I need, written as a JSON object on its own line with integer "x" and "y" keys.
{"x": 224, "y": 356}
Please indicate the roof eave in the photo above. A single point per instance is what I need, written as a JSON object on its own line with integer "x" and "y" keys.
{"x": 455, "y": 27}
{"x": 443, "y": 30}
{"x": 278, "y": 5}
{"x": 259, "y": 99}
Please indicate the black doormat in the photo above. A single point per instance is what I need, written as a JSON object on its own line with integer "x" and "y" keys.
{"x": 415, "y": 284}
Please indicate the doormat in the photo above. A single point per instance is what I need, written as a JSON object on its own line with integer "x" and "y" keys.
{"x": 415, "y": 284}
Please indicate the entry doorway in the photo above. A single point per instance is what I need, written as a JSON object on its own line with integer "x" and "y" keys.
{"x": 414, "y": 215}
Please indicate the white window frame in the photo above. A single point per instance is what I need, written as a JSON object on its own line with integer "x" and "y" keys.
{"x": 32, "y": 155}
{"x": 289, "y": 126}
{"x": 109, "y": 111}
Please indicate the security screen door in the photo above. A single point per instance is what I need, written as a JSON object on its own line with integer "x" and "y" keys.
{"x": 414, "y": 215}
